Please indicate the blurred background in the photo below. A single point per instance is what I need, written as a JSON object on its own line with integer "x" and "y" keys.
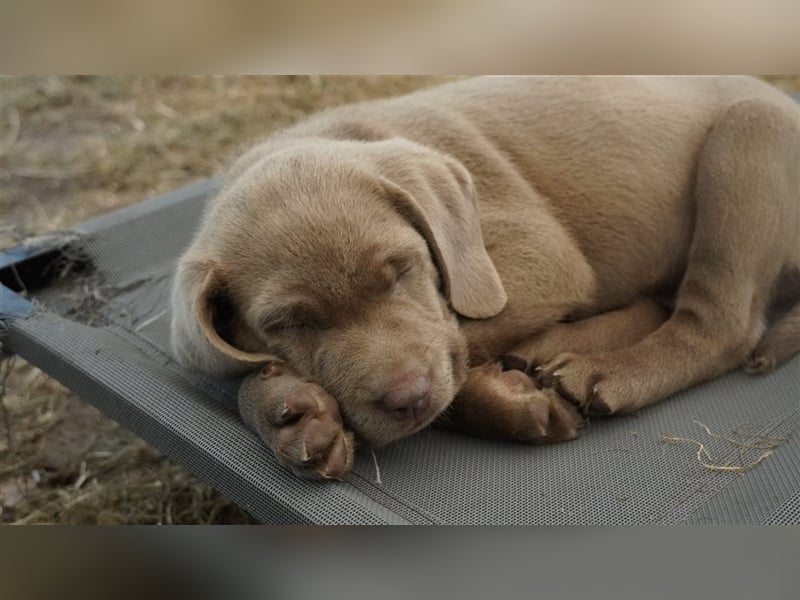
{"x": 414, "y": 36}
{"x": 72, "y": 148}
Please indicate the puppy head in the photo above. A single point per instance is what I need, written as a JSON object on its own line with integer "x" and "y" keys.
{"x": 351, "y": 262}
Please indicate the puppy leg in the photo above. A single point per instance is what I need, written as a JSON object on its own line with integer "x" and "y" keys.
{"x": 601, "y": 333}
{"x": 746, "y": 230}
{"x": 507, "y": 405}
{"x": 781, "y": 341}
{"x": 298, "y": 420}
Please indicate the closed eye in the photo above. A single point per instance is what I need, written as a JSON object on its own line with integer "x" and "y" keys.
{"x": 291, "y": 318}
{"x": 273, "y": 327}
{"x": 405, "y": 270}
{"x": 402, "y": 266}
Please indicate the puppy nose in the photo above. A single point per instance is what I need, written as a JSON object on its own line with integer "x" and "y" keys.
{"x": 408, "y": 396}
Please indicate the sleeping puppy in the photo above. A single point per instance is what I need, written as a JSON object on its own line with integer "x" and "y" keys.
{"x": 502, "y": 256}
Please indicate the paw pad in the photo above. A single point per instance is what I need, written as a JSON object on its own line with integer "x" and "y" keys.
{"x": 272, "y": 370}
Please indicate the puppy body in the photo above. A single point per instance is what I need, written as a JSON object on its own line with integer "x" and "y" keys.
{"x": 584, "y": 185}
{"x": 487, "y": 211}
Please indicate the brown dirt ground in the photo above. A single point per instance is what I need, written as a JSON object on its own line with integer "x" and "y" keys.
{"x": 75, "y": 147}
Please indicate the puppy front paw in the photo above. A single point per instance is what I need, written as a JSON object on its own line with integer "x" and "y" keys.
{"x": 586, "y": 383}
{"x": 507, "y": 405}
{"x": 538, "y": 416}
{"x": 299, "y": 421}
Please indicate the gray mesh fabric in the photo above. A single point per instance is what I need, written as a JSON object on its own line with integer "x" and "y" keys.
{"x": 620, "y": 471}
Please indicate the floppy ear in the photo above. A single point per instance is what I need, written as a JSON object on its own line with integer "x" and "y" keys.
{"x": 203, "y": 320}
{"x": 436, "y": 195}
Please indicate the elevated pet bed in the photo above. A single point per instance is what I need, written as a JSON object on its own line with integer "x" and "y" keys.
{"x": 95, "y": 315}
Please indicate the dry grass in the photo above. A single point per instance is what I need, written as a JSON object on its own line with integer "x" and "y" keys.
{"x": 74, "y": 147}
{"x": 741, "y": 443}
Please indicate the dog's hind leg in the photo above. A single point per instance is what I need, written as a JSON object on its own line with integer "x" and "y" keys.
{"x": 747, "y": 224}
{"x": 781, "y": 341}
